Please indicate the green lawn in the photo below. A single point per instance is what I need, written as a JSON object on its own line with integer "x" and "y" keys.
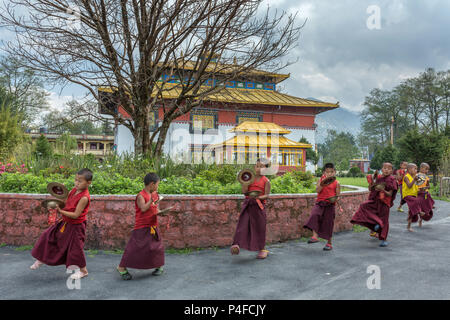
{"x": 360, "y": 182}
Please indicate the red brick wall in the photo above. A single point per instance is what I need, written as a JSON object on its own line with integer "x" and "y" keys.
{"x": 197, "y": 221}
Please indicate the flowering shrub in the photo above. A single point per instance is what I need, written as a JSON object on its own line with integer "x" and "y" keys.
{"x": 12, "y": 168}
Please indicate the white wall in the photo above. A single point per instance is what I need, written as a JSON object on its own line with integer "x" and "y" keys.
{"x": 178, "y": 139}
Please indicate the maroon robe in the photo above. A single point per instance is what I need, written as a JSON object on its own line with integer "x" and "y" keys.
{"x": 414, "y": 206}
{"x": 60, "y": 244}
{"x": 63, "y": 242}
{"x": 251, "y": 227}
{"x": 426, "y": 205}
{"x": 375, "y": 210}
{"x": 322, "y": 219}
{"x": 144, "y": 250}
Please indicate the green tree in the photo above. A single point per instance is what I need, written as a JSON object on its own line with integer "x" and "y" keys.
{"x": 339, "y": 148}
{"x": 66, "y": 143}
{"x": 426, "y": 147}
{"x": 43, "y": 148}
{"x": 311, "y": 155}
{"x": 11, "y": 133}
{"x": 377, "y": 160}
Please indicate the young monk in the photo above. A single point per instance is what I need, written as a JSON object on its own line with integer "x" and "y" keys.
{"x": 63, "y": 242}
{"x": 374, "y": 213}
{"x": 400, "y": 173}
{"x": 251, "y": 227}
{"x": 145, "y": 248}
{"x": 424, "y": 195}
{"x": 321, "y": 221}
{"x": 409, "y": 194}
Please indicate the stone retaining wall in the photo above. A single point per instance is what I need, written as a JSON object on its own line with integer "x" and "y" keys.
{"x": 196, "y": 220}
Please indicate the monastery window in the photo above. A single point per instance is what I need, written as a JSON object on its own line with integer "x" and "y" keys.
{"x": 202, "y": 120}
{"x": 250, "y": 85}
{"x": 240, "y": 84}
{"x": 269, "y": 86}
{"x": 248, "y": 116}
{"x": 259, "y": 85}
{"x": 230, "y": 84}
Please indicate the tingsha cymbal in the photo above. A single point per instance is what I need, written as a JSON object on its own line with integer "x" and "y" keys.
{"x": 52, "y": 203}
{"x": 246, "y": 176}
{"x": 57, "y": 190}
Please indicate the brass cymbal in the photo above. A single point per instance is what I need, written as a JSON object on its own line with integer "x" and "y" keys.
{"x": 52, "y": 203}
{"x": 246, "y": 176}
{"x": 253, "y": 193}
{"x": 57, "y": 190}
{"x": 328, "y": 181}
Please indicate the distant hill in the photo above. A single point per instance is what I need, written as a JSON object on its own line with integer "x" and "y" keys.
{"x": 340, "y": 120}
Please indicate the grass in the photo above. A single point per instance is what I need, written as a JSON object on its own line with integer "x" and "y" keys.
{"x": 91, "y": 253}
{"x": 179, "y": 251}
{"x": 358, "y": 228}
{"x": 2, "y": 245}
{"x": 189, "y": 250}
{"x": 360, "y": 182}
{"x": 441, "y": 198}
{"x": 24, "y": 248}
{"x": 114, "y": 251}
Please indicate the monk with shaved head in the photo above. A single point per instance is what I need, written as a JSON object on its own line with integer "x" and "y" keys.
{"x": 374, "y": 213}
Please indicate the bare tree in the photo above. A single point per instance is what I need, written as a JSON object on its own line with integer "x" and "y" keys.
{"x": 132, "y": 45}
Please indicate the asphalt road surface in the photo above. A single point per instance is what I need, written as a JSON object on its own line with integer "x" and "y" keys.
{"x": 415, "y": 265}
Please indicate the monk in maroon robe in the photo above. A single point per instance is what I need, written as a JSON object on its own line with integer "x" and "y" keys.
{"x": 63, "y": 242}
{"x": 251, "y": 227}
{"x": 321, "y": 220}
{"x": 400, "y": 174}
{"x": 374, "y": 213}
{"x": 427, "y": 202}
{"x": 145, "y": 248}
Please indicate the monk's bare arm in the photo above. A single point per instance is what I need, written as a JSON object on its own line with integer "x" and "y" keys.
{"x": 266, "y": 191}
{"x": 408, "y": 183}
{"x": 244, "y": 188}
{"x": 338, "y": 189}
{"x": 142, "y": 205}
{"x": 318, "y": 186}
{"x": 78, "y": 210}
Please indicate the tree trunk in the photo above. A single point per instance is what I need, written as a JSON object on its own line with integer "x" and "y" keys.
{"x": 161, "y": 138}
{"x": 142, "y": 132}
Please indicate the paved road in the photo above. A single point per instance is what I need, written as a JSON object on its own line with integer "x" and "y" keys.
{"x": 414, "y": 266}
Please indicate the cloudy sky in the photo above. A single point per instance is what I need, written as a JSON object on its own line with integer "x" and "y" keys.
{"x": 342, "y": 59}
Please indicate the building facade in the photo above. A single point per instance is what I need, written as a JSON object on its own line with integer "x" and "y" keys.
{"x": 254, "y": 98}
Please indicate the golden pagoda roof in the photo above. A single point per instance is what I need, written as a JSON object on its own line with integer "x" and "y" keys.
{"x": 222, "y": 68}
{"x": 244, "y": 96}
{"x": 260, "y": 127}
{"x": 260, "y": 141}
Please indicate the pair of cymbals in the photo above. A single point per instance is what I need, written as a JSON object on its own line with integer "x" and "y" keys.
{"x": 59, "y": 191}
{"x": 52, "y": 203}
{"x": 421, "y": 178}
{"x": 246, "y": 176}
{"x": 328, "y": 181}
